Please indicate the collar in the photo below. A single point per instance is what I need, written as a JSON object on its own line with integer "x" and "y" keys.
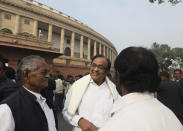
{"x": 38, "y": 96}
{"x": 93, "y": 82}
{"x": 129, "y": 99}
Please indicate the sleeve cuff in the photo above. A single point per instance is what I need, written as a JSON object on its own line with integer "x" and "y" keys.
{"x": 76, "y": 119}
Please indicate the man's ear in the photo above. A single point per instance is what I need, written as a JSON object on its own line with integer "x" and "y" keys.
{"x": 25, "y": 74}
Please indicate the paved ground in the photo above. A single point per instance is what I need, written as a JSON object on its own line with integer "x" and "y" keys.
{"x": 62, "y": 124}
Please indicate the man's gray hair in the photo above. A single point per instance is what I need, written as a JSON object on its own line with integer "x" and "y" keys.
{"x": 28, "y": 63}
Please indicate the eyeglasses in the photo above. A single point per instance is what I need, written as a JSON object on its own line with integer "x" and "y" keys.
{"x": 93, "y": 65}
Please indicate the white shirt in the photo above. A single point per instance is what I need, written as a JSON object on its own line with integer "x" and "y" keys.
{"x": 141, "y": 112}
{"x": 59, "y": 86}
{"x": 7, "y": 122}
{"x": 95, "y": 106}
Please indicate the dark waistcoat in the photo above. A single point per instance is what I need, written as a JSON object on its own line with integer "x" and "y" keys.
{"x": 27, "y": 113}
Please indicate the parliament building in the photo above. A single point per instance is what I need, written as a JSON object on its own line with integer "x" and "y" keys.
{"x": 28, "y": 27}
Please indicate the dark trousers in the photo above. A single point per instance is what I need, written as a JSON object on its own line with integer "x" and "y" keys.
{"x": 58, "y": 104}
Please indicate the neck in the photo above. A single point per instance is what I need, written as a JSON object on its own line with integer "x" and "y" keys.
{"x": 124, "y": 91}
{"x": 32, "y": 88}
{"x": 99, "y": 82}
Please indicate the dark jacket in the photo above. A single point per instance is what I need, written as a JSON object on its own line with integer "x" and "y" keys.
{"x": 27, "y": 113}
{"x": 181, "y": 89}
{"x": 48, "y": 92}
{"x": 7, "y": 87}
{"x": 169, "y": 94}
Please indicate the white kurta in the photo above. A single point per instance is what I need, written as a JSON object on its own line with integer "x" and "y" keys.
{"x": 141, "y": 112}
{"x": 96, "y": 105}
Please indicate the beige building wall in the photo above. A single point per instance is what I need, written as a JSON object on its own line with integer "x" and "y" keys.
{"x": 26, "y": 25}
{"x": 1, "y": 15}
{"x": 8, "y": 21}
{"x": 46, "y": 17}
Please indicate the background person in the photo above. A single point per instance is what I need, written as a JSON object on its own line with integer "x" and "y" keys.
{"x": 7, "y": 86}
{"x": 177, "y": 75}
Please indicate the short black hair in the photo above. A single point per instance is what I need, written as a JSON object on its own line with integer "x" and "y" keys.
{"x": 2, "y": 60}
{"x": 164, "y": 73}
{"x": 108, "y": 61}
{"x": 10, "y": 72}
{"x": 178, "y": 70}
{"x": 138, "y": 70}
{"x": 80, "y": 76}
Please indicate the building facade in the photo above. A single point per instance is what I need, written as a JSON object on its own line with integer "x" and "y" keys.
{"x": 28, "y": 24}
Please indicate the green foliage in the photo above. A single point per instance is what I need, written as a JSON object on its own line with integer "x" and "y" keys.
{"x": 25, "y": 34}
{"x": 168, "y": 58}
{"x": 6, "y": 30}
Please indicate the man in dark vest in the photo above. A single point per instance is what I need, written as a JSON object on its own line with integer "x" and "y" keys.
{"x": 27, "y": 109}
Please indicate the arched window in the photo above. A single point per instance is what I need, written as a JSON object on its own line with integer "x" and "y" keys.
{"x": 6, "y": 30}
{"x": 67, "y": 51}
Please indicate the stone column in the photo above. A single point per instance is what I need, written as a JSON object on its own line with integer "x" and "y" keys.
{"x": 81, "y": 47}
{"x": 104, "y": 50}
{"x": 100, "y": 48}
{"x": 35, "y": 28}
{"x": 95, "y": 48}
{"x": 62, "y": 32}
{"x": 107, "y": 52}
{"x": 17, "y": 24}
{"x": 89, "y": 49}
{"x": 110, "y": 54}
{"x": 112, "y": 57}
{"x": 72, "y": 44}
{"x": 50, "y": 33}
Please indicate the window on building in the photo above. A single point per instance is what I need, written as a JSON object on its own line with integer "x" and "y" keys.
{"x": 67, "y": 51}
{"x": 26, "y": 21}
{"x": 68, "y": 41}
{"x": 7, "y": 16}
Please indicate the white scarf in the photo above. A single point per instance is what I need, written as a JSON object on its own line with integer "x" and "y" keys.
{"x": 76, "y": 92}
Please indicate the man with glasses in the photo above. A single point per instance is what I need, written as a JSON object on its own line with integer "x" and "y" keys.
{"x": 89, "y": 101}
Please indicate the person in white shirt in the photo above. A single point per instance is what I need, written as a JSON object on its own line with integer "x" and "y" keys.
{"x": 59, "y": 94}
{"x": 137, "y": 109}
{"x": 89, "y": 101}
{"x": 27, "y": 110}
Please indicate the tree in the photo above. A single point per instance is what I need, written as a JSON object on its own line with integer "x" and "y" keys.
{"x": 173, "y": 2}
{"x": 168, "y": 59}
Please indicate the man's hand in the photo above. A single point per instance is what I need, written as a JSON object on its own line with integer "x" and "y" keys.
{"x": 85, "y": 125}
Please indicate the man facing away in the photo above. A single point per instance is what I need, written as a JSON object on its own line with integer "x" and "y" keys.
{"x": 138, "y": 110}
{"x": 27, "y": 110}
{"x": 89, "y": 101}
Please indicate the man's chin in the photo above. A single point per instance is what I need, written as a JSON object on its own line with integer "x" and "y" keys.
{"x": 44, "y": 86}
{"x": 95, "y": 78}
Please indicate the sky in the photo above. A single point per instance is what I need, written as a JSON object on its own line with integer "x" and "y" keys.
{"x": 127, "y": 22}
